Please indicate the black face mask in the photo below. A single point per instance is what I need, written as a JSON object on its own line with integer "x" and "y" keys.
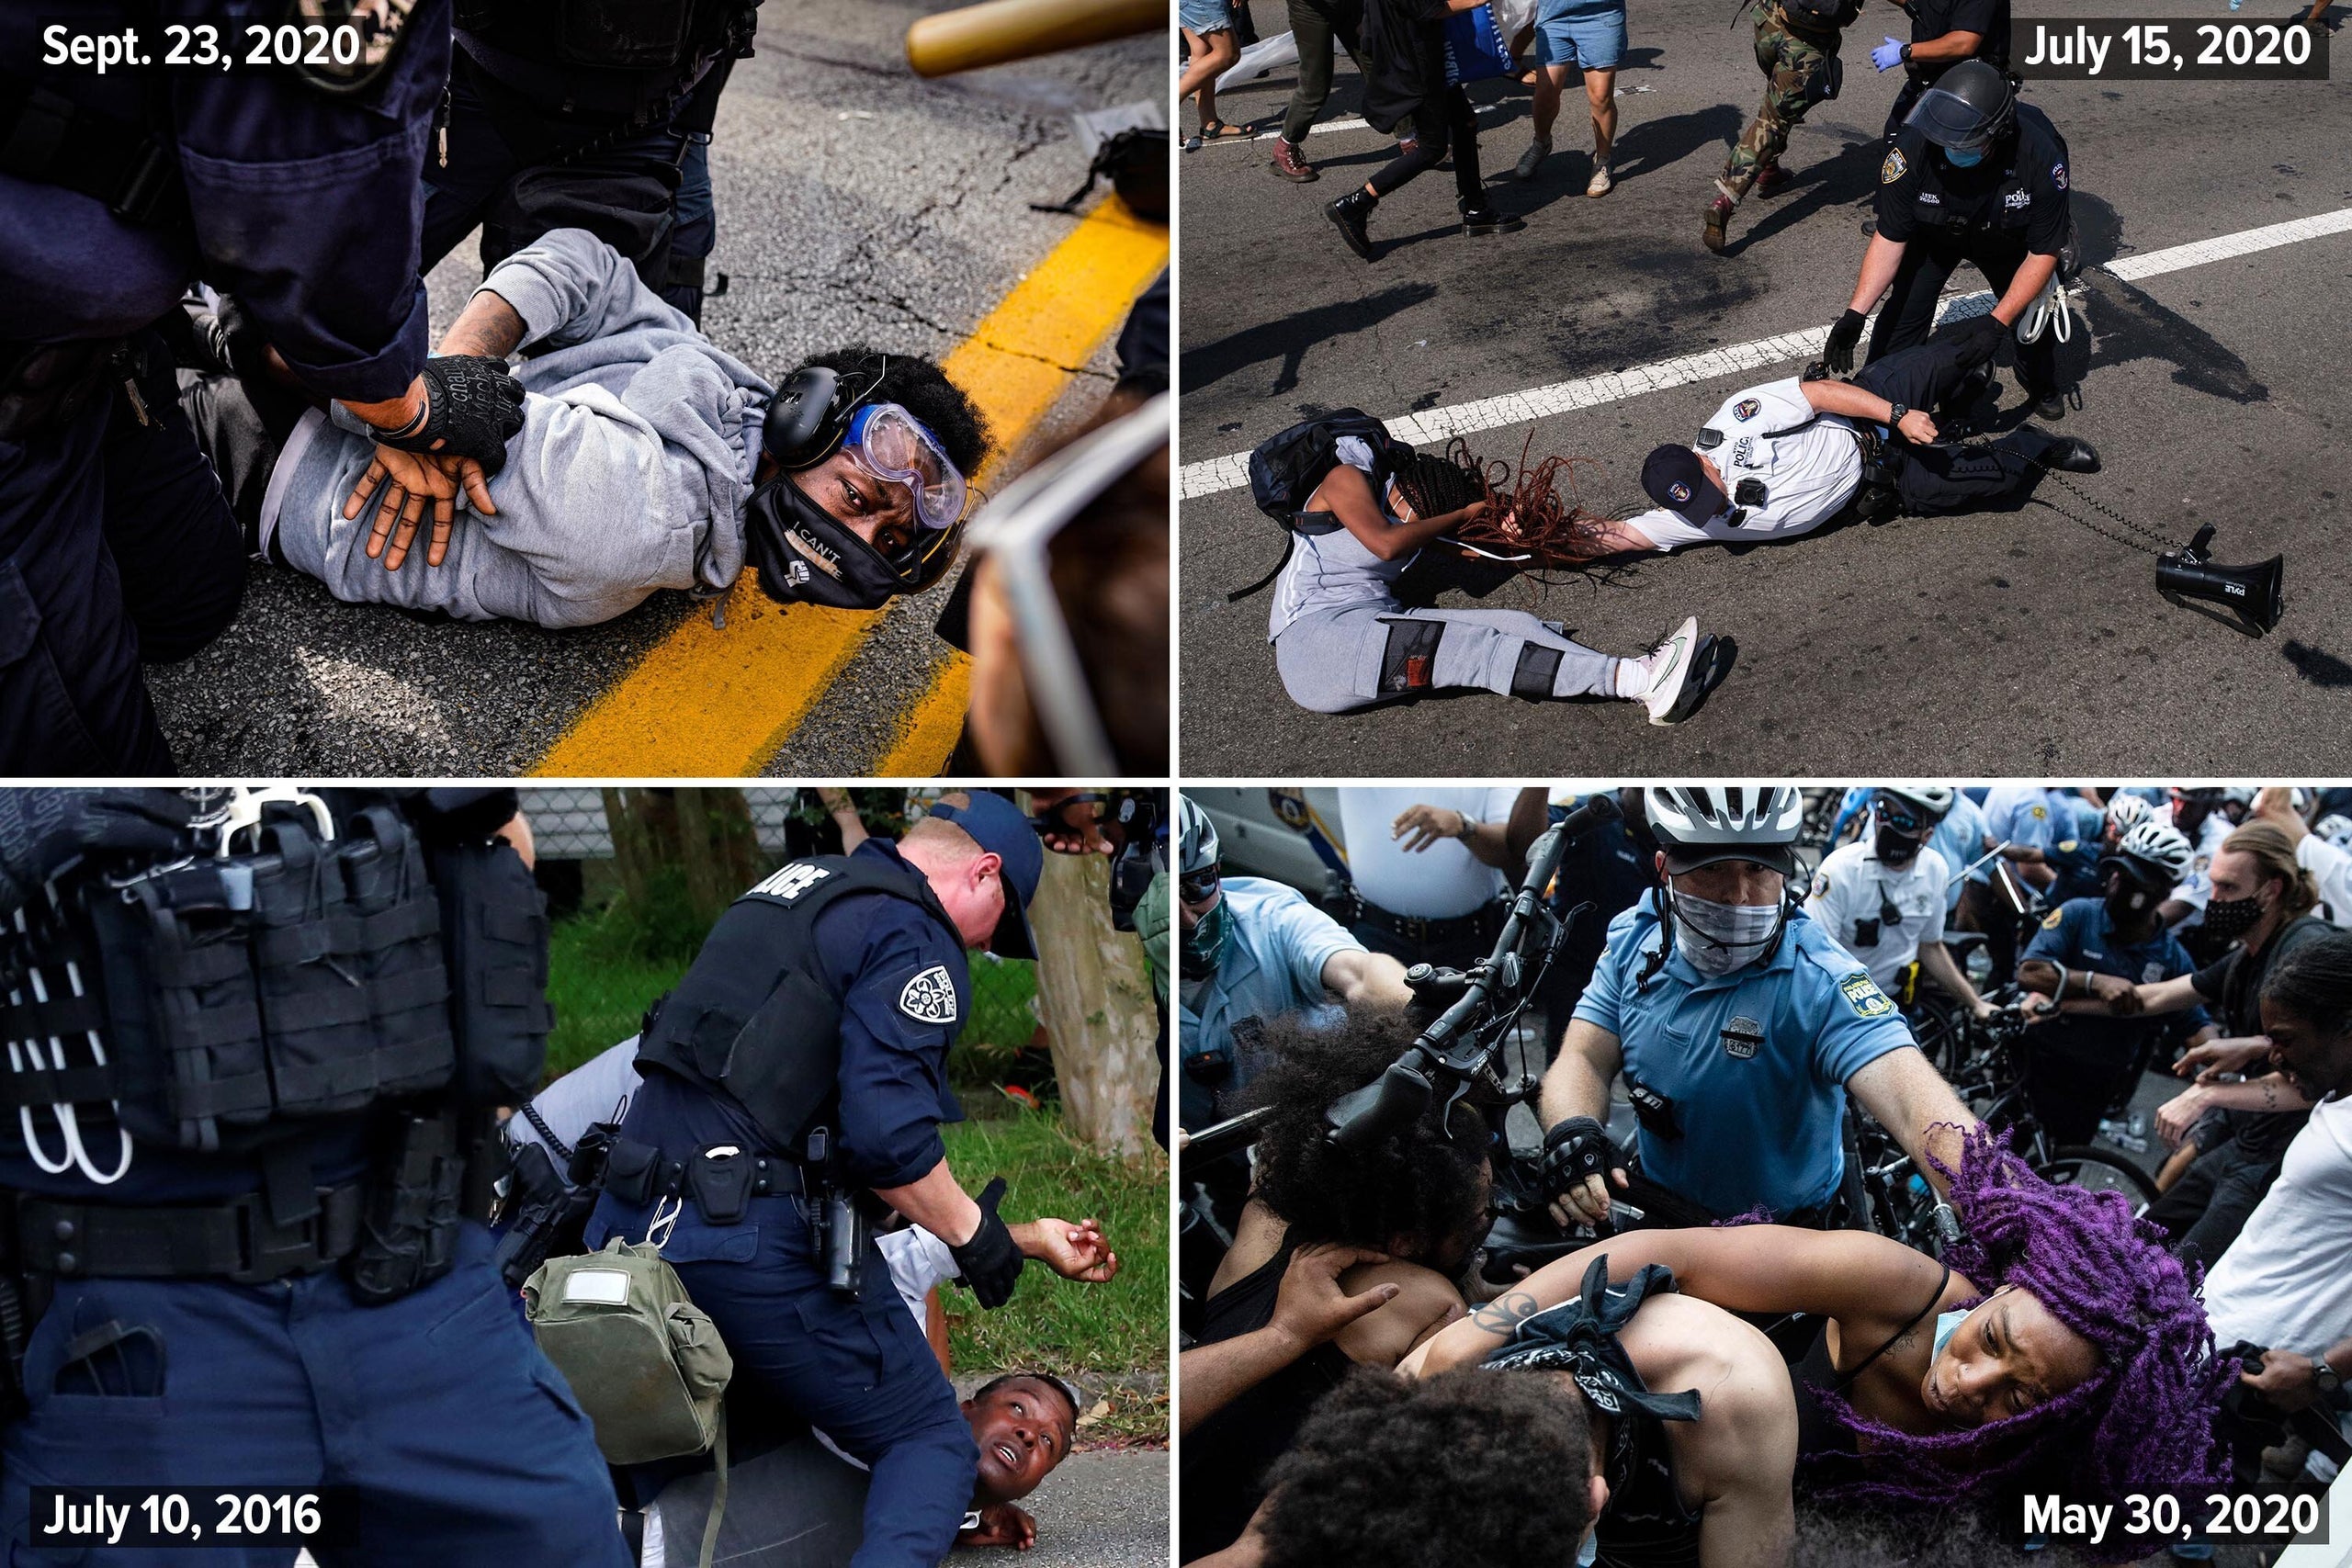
{"x": 805, "y": 555}
{"x": 1893, "y": 849}
{"x": 2226, "y": 919}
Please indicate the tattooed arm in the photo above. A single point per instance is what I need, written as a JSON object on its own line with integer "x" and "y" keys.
{"x": 1471, "y": 1338}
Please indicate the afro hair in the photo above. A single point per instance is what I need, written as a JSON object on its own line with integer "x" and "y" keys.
{"x": 922, "y": 388}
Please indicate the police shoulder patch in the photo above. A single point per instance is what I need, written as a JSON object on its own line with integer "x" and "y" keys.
{"x": 1821, "y": 885}
{"x": 1864, "y": 996}
{"x": 2049, "y": 921}
{"x": 1894, "y": 168}
{"x": 1747, "y": 409}
{"x": 2041, "y": 813}
{"x": 2058, "y": 175}
{"x": 2068, "y": 846}
{"x": 929, "y": 997}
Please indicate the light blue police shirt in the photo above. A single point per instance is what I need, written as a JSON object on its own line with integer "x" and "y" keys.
{"x": 1271, "y": 968}
{"x": 1959, "y": 838}
{"x": 1756, "y": 1062}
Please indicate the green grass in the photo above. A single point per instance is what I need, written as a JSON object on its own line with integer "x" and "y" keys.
{"x": 1112, "y": 1339}
{"x": 1101, "y": 1335}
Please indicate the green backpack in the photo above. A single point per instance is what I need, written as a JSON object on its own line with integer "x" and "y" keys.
{"x": 645, "y": 1362}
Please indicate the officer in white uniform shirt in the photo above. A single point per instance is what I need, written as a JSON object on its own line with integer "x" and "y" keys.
{"x": 1882, "y": 897}
{"x": 1430, "y": 864}
{"x": 1782, "y": 458}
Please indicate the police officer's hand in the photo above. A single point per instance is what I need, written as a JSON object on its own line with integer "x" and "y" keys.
{"x": 989, "y": 1261}
{"x": 2286, "y": 1379}
{"x": 2121, "y": 996}
{"x": 1918, "y": 428}
{"x": 1839, "y": 351}
{"x": 1888, "y": 55}
{"x": 1575, "y": 1154}
{"x": 1001, "y": 1524}
{"x": 404, "y": 486}
{"x": 1073, "y": 1251}
{"x": 1976, "y": 338}
{"x": 473, "y": 408}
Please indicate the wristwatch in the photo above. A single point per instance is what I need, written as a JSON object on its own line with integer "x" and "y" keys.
{"x": 1895, "y": 412}
{"x": 1469, "y": 825}
{"x": 1906, "y": 54}
{"x": 2326, "y": 1379}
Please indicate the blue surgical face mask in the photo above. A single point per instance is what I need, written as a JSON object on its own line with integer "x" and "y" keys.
{"x": 1959, "y": 160}
{"x": 1946, "y": 1324}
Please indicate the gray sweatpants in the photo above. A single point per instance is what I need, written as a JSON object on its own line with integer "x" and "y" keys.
{"x": 1332, "y": 660}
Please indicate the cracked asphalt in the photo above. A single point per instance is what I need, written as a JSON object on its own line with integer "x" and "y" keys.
{"x": 856, "y": 203}
{"x": 2014, "y": 641}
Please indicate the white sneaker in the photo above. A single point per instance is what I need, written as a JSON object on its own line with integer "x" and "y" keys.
{"x": 1599, "y": 182}
{"x": 1670, "y": 666}
{"x": 1533, "y": 159}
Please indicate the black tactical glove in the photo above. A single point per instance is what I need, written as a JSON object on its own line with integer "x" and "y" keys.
{"x": 1975, "y": 339}
{"x": 989, "y": 1262}
{"x": 473, "y": 408}
{"x": 1575, "y": 1149}
{"x": 1839, "y": 352}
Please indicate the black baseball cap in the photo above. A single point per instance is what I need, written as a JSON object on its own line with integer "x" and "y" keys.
{"x": 1674, "y": 477}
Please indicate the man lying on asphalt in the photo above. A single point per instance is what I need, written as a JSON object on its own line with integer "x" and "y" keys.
{"x": 649, "y": 458}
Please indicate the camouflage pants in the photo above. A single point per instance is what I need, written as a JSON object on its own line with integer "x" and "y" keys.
{"x": 1800, "y": 71}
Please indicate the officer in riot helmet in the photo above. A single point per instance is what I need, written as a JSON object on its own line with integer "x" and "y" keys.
{"x": 794, "y": 1085}
{"x": 1740, "y": 1026}
{"x": 256, "y": 1044}
{"x": 292, "y": 190}
{"x": 586, "y": 115}
{"x": 1971, "y": 175}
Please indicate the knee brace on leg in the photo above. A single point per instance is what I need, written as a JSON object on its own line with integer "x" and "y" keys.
{"x": 1539, "y": 667}
{"x": 1409, "y": 661}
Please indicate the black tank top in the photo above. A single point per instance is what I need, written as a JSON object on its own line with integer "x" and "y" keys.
{"x": 1645, "y": 1524}
{"x": 1825, "y": 1444}
{"x": 1226, "y": 1457}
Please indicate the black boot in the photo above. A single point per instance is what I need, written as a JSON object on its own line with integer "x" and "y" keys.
{"x": 1478, "y": 217}
{"x": 2072, "y": 454}
{"x": 1351, "y": 212}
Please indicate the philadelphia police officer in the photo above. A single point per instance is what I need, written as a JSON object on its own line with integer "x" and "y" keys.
{"x": 256, "y": 1046}
{"x": 794, "y": 1087}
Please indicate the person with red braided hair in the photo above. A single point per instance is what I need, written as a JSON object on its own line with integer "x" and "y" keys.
{"x": 2058, "y": 1343}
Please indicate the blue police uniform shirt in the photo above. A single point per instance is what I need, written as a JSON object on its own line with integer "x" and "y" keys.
{"x": 1756, "y": 1062}
{"x": 1959, "y": 838}
{"x": 2075, "y": 856}
{"x": 905, "y": 992}
{"x": 2079, "y": 935}
{"x": 1275, "y": 947}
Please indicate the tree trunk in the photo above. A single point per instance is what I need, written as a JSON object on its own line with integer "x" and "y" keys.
{"x": 1094, "y": 990}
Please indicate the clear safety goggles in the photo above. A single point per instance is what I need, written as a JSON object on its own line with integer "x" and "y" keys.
{"x": 1017, "y": 531}
{"x": 1951, "y": 121}
{"x": 893, "y": 445}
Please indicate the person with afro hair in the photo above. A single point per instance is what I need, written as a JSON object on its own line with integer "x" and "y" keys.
{"x": 1385, "y": 1225}
{"x": 2059, "y": 1344}
{"x": 639, "y": 450}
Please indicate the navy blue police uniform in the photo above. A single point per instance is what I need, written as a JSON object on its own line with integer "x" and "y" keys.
{"x": 805, "y": 1055}
{"x": 591, "y": 116}
{"x": 1932, "y": 19}
{"x": 2076, "y": 1063}
{"x": 245, "y": 1240}
{"x": 2012, "y": 205}
{"x": 116, "y": 543}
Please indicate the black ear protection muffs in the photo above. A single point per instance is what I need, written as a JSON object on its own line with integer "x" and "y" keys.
{"x": 803, "y": 553}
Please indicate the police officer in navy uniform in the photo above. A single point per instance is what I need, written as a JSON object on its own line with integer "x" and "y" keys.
{"x": 794, "y": 1085}
{"x": 295, "y": 194}
{"x": 245, "y": 1143}
{"x": 1739, "y": 1026}
{"x": 586, "y": 115}
{"x": 1974, "y": 175}
{"x": 1943, "y": 33}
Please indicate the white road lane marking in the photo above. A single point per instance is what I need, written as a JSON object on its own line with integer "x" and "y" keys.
{"x": 1211, "y": 475}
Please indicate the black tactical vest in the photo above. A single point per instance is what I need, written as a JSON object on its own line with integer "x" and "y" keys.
{"x": 753, "y": 1018}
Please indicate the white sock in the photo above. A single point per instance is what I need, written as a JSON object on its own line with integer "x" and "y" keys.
{"x": 1630, "y": 678}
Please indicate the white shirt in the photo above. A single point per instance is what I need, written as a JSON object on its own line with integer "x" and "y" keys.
{"x": 1334, "y": 570}
{"x": 1439, "y": 883}
{"x": 2332, "y": 868}
{"x": 2286, "y": 1282}
{"x": 1809, "y": 465}
{"x": 1851, "y": 889}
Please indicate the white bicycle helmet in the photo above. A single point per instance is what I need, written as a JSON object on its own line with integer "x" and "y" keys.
{"x": 1703, "y": 824}
{"x": 1933, "y": 800}
{"x": 2158, "y": 848}
{"x": 2126, "y": 812}
{"x": 1196, "y": 845}
{"x": 2335, "y": 828}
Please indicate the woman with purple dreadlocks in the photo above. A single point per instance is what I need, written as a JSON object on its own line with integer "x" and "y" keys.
{"x": 2060, "y": 1339}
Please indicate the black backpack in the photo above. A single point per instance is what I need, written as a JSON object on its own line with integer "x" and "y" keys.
{"x": 1822, "y": 16}
{"x": 1285, "y": 469}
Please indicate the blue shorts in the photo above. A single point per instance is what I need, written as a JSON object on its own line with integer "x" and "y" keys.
{"x": 1204, "y": 16}
{"x": 1588, "y": 36}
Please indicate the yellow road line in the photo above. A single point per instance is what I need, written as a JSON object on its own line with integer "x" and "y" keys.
{"x": 706, "y": 702}
{"x": 927, "y": 731}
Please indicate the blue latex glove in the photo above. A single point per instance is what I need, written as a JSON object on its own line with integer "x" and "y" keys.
{"x": 1888, "y": 55}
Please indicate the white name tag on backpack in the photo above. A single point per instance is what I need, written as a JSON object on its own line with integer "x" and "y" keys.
{"x": 597, "y": 1287}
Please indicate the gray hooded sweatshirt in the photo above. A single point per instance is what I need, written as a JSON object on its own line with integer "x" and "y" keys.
{"x": 639, "y": 440}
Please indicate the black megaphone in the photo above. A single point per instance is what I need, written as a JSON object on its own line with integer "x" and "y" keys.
{"x": 2254, "y": 594}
